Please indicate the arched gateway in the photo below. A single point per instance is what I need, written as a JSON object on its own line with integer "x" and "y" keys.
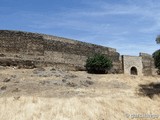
{"x": 132, "y": 65}
{"x": 133, "y": 71}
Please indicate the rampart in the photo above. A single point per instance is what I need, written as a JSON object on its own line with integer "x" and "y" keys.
{"x": 25, "y": 48}
{"x": 130, "y": 62}
{"x": 148, "y": 64}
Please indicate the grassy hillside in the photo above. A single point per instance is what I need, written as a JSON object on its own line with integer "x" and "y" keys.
{"x": 49, "y": 94}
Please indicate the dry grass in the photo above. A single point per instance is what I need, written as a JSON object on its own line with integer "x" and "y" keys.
{"x": 111, "y": 97}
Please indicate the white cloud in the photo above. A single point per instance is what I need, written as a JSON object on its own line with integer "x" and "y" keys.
{"x": 100, "y": 23}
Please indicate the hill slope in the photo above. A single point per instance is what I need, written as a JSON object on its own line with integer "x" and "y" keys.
{"x": 49, "y": 94}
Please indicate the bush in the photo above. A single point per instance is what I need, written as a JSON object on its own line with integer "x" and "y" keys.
{"x": 98, "y": 64}
{"x": 156, "y": 56}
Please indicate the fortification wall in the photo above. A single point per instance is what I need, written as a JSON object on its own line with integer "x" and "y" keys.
{"x": 46, "y": 50}
{"x": 132, "y": 61}
{"x": 148, "y": 64}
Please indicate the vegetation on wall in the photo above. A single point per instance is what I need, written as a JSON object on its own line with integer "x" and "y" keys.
{"x": 98, "y": 63}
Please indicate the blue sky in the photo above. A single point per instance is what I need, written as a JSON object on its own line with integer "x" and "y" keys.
{"x": 130, "y": 26}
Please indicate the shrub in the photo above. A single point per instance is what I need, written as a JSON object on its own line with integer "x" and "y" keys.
{"x": 156, "y": 56}
{"x": 98, "y": 63}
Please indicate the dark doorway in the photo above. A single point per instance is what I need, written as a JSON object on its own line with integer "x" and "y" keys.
{"x": 133, "y": 71}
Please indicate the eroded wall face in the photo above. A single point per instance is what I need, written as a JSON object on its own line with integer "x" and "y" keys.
{"x": 148, "y": 64}
{"x": 50, "y": 50}
{"x": 20, "y": 45}
{"x": 132, "y": 61}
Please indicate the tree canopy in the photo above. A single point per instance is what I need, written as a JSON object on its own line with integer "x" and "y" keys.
{"x": 156, "y": 56}
{"x": 158, "y": 39}
{"x": 98, "y": 63}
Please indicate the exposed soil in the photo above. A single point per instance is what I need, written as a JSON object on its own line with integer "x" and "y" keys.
{"x": 52, "y": 94}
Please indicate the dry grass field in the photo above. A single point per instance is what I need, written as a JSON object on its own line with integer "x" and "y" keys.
{"x": 49, "y": 94}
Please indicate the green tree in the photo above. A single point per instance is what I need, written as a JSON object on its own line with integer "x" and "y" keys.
{"x": 98, "y": 63}
{"x": 156, "y": 56}
{"x": 158, "y": 39}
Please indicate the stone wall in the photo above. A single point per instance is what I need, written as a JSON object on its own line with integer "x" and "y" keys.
{"x": 132, "y": 61}
{"x": 46, "y": 50}
{"x": 144, "y": 63}
{"x": 148, "y": 64}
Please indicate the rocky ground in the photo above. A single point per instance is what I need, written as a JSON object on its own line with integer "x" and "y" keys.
{"x": 52, "y": 94}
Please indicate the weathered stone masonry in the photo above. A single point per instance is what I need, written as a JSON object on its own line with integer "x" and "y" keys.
{"x": 18, "y": 47}
{"x": 24, "y": 48}
{"x": 144, "y": 64}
